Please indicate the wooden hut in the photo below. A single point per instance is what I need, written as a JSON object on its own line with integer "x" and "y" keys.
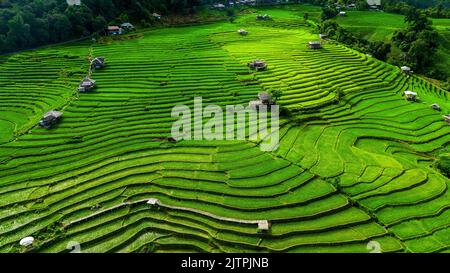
{"x": 314, "y": 45}
{"x": 87, "y": 84}
{"x": 50, "y": 118}
{"x": 265, "y": 98}
{"x": 410, "y": 95}
{"x": 257, "y": 65}
{"x": 98, "y": 62}
{"x": 243, "y": 32}
{"x": 255, "y": 104}
{"x": 447, "y": 118}
{"x": 374, "y": 4}
{"x": 263, "y": 226}
{"x": 114, "y": 30}
{"x": 156, "y": 16}
{"x": 264, "y": 17}
{"x": 127, "y": 26}
{"x": 153, "y": 202}
{"x": 436, "y": 107}
{"x": 219, "y": 6}
{"x": 406, "y": 70}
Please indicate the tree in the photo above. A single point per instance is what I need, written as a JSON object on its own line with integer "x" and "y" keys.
{"x": 60, "y": 27}
{"x": 3, "y": 45}
{"x": 81, "y": 19}
{"x": 19, "y": 33}
{"x": 362, "y": 5}
{"x": 306, "y": 16}
{"x": 276, "y": 94}
{"x": 418, "y": 42}
{"x": 420, "y": 54}
{"x": 231, "y": 15}
{"x": 444, "y": 165}
{"x": 328, "y": 13}
{"x": 99, "y": 24}
{"x": 379, "y": 50}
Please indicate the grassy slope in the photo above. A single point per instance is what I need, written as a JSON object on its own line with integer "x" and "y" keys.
{"x": 379, "y": 26}
{"x": 377, "y": 145}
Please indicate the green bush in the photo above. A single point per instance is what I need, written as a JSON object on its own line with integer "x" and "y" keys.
{"x": 443, "y": 165}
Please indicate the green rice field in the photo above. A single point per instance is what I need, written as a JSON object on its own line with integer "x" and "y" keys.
{"x": 380, "y": 26}
{"x": 347, "y": 172}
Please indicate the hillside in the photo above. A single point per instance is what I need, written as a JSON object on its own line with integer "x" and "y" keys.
{"x": 380, "y": 26}
{"x": 347, "y": 171}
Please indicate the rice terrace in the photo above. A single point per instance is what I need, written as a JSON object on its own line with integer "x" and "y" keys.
{"x": 362, "y": 162}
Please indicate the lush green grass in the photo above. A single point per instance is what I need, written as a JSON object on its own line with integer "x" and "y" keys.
{"x": 373, "y": 26}
{"x": 380, "y": 26}
{"x": 347, "y": 172}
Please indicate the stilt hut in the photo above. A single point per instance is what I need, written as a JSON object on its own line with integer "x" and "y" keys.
{"x": 436, "y": 107}
{"x": 314, "y": 45}
{"x": 98, "y": 62}
{"x": 263, "y": 226}
{"x": 407, "y": 70}
{"x": 447, "y": 118}
{"x": 242, "y": 32}
{"x": 257, "y": 65}
{"x": 86, "y": 85}
{"x": 50, "y": 119}
{"x": 410, "y": 95}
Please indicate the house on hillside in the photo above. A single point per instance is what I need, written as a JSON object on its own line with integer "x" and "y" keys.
{"x": 374, "y": 4}
{"x": 219, "y": 6}
{"x": 86, "y": 85}
{"x": 410, "y": 95}
{"x": 447, "y": 118}
{"x": 243, "y": 32}
{"x": 73, "y": 2}
{"x": 342, "y": 13}
{"x": 98, "y": 63}
{"x": 153, "y": 202}
{"x": 257, "y": 65}
{"x": 314, "y": 45}
{"x": 114, "y": 30}
{"x": 263, "y": 226}
{"x": 406, "y": 70}
{"x": 264, "y": 17}
{"x": 50, "y": 119}
{"x": 323, "y": 36}
{"x": 127, "y": 26}
{"x": 436, "y": 107}
{"x": 156, "y": 16}
{"x": 264, "y": 98}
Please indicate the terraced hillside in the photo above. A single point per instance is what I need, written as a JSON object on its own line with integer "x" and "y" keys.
{"x": 349, "y": 170}
{"x": 367, "y": 25}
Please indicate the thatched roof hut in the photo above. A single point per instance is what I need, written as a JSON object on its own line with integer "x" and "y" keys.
{"x": 242, "y": 32}
{"x": 50, "y": 118}
{"x": 406, "y": 69}
{"x": 87, "y": 84}
{"x": 98, "y": 62}
{"x": 315, "y": 44}
{"x": 257, "y": 65}
{"x": 263, "y": 225}
{"x": 436, "y": 106}
{"x": 410, "y": 95}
